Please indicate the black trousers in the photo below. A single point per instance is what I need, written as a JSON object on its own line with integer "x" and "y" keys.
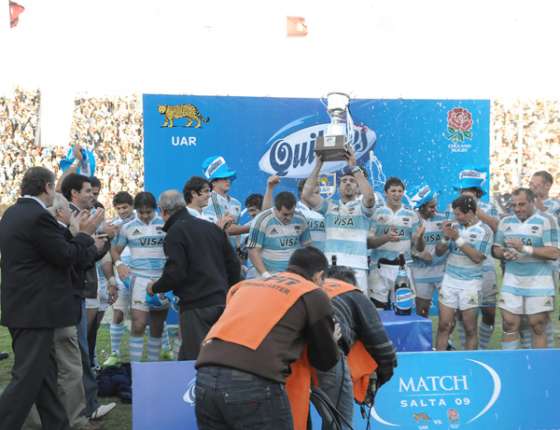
{"x": 33, "y": 381}
{"x": 195, "y": 325}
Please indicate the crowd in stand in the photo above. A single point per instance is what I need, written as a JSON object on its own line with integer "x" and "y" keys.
{"x": 112, "y": 127}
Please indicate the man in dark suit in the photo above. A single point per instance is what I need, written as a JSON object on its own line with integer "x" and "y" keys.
{"x": 37, "y": 296}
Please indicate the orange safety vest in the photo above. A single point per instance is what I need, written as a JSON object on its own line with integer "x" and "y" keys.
{"x": 360, "y": 362}
{"x": 252, "y": 310}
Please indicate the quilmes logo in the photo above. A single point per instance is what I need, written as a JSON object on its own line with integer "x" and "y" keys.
{"x": 291, "y": 150}
{"x": 452, "y": 393}
{"x": 189, "y": 396}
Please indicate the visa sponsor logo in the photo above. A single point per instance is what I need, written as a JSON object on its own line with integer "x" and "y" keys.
{"x": 291, "y": 151}
{"x": 469, "y": 388}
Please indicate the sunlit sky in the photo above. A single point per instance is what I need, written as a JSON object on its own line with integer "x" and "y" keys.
{"x": 396, "y": 48}
{"x": 368, "y": 48}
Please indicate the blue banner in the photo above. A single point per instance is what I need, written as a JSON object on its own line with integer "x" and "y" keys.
{"x": 471, "y": 390}
{"x": 430, "y": 390}
{"x": 417, "y": 140}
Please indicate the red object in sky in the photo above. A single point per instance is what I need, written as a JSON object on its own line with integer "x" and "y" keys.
{"x": 15, "y": 12}
{"x": 296, "y": 26}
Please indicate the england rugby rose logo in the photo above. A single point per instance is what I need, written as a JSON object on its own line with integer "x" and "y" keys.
{"x": 459, "y": 125}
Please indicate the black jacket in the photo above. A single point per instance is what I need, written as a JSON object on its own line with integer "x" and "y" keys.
{"x": 36, "y": 289}
{"x": 88, "y": 274}
{"x": 201, "y": 264}
{"x": 77, "y": 271}
{"x": 359, "y": 320}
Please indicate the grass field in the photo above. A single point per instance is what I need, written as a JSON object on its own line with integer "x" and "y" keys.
{"x": 121, "y": 417}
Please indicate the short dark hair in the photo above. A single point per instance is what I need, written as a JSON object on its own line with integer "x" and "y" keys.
{"x": 255, "y": 200}
{"x": 285, "y": 199}
{"x": 35, "y": 180}
{"x": 342, "y": 273}
{"x": 194, "y": 184}
{"x": 477, "y": 191}
{"x": 393, "y": 181}
{"x": 94, "y": 181}
{"x": 547, "y": 177}
{"x": 530, "y": 194}
{"x": 307, "y": 262}
{"x": 465, "y": 204}
{"x": 73, "y": 181}
{"x": 145, "y": 199}
{"x": 123, "y": 198}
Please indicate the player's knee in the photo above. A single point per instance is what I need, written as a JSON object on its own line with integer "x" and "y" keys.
{"x": 445, "y": 326}
{"x": 538, "y": 327}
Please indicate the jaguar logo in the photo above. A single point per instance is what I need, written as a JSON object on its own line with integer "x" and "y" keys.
{"x": 188, "y": 111}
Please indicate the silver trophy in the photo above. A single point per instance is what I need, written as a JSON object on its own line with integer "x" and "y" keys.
{"x": 334, "y": 144}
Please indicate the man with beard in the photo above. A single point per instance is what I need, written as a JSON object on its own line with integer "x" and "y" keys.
{"x": 347, "y": 221}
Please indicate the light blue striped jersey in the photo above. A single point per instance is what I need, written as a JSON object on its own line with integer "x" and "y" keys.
{"x": 202, "y": 215}
{"x": 316, "y": 224}
{"x": 244, "y": 239}
{"x": 459, "y": 266}
{"x": 490, "y": 209}
{"x": 552, "y": 207}
{"x": 346, "y": 230}
{"x": 529, "y": 276}
{"x": 145, "y": 242}
{"x": 405, "y": 221}
{"x": 277, "y": 240}
{"x": 379, "y": 200}
{"x": 431, "y": 272}
{"x": 219, "y": 206}
{"x": 125, "y": 254}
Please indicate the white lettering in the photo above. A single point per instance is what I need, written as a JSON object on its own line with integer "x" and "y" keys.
{"x": 183, "y": 140}
{"x": 442, "y": 383}
{"x": 463, "y": 379}
{"x": 405, "y": 387}
{"x": 434, "y": 383}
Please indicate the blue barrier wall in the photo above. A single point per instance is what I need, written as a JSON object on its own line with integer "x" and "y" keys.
{"x": 482, "y": 390}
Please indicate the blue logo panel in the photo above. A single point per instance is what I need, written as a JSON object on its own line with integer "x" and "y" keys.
{"x": 418, "y": 140}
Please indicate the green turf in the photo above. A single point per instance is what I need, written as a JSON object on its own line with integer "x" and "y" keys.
{"x": 119, "y": 419}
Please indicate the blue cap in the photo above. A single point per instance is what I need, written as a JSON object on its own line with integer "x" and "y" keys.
{"x": 471, "y": 178}
{"x": 422, "y": 194}
{"x": 216, "y": 168}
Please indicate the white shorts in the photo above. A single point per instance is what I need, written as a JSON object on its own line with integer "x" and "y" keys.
{"x": 426, "y": 290}
{"x": 361, "y": 279}
{"x": 381, "y": 281}
{"x": 463, "y": 298}
{"x": 139, "y": 285}
{"x": 489, "y": 293}
{"x": 526, "y": 305}
{"x": 123, "y": 300}
{"x": 92, "y": 303}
